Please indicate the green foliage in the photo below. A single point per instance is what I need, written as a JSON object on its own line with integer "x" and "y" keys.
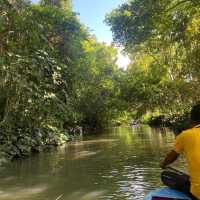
{"x": 96, "y": 85}
{"x": 52, "y": 74}
{"x": 162, "y": 38}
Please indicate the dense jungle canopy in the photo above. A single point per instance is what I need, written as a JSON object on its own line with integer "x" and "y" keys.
{"x": 162, "y": 39}
{"x": 55, "y": 76}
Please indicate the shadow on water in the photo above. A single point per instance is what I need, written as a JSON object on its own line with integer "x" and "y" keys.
{"x": 122, "y": 163}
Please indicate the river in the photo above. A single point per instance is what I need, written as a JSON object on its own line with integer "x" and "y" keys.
{"x": 120, "y": 164}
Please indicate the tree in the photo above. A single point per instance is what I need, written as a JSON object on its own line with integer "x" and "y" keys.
{"x": 158, "y": 36}
{"x": 53, "y": 74}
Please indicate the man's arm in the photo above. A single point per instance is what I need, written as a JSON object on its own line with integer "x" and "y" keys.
{"x": 170, "y": 158}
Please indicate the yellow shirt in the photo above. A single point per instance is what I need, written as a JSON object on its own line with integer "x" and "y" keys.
{"x": 188, "y": 142}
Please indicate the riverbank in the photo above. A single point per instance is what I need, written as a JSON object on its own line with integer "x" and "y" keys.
{"x": 26, "y": 142}
{"x": 176, "y": 122}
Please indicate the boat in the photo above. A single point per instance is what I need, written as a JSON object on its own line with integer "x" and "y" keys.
{"x": 166, "y": 194}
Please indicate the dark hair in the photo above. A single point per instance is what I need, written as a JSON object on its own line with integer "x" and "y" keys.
{"x": 195, "y": 113}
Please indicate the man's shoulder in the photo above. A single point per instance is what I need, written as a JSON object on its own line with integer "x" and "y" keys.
{"x": 185, "y": 132}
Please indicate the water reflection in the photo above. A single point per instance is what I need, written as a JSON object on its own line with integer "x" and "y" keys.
{"x": 81, "y": 195}
{"x": 21, "y": 192}
{"x": 84, "y": 154}
{"x": 91, "y": 142}
{"x": 120, "y": 164}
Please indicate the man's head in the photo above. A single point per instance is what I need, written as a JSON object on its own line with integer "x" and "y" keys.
{"x": 195, "y": 113}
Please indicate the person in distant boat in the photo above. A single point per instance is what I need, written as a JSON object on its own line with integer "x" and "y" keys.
{"x": 188, "y": 143}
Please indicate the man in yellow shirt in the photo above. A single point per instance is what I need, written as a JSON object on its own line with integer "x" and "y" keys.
{"x": 188, "y": 143}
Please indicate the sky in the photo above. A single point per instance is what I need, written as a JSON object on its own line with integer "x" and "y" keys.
{"x": 92, "y": 14}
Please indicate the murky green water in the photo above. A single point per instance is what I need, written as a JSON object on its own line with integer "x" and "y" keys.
{"x": 122, "y": 164}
